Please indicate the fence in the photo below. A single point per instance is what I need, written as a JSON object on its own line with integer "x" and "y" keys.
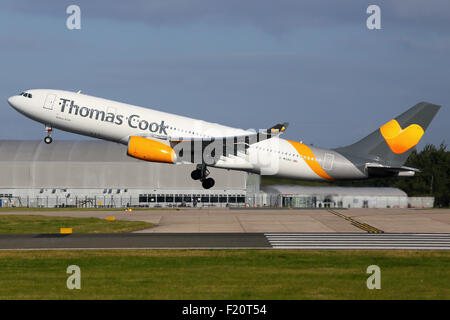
{"x": 257, "y": 200}
{"x": 158, "y": 201}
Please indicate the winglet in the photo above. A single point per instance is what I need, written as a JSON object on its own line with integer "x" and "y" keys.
{"x": 278, "y": 128}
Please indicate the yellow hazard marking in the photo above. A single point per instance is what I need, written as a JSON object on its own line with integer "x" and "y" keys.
{"x": 65, "y": 230}
{"x": 363, "y": 226}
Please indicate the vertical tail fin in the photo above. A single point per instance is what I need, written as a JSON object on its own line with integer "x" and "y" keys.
{"x": 391, "y": 144}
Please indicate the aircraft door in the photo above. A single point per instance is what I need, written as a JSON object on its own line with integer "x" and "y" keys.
{"x": 49, "y": 101}
{"x": 328, "y": 161}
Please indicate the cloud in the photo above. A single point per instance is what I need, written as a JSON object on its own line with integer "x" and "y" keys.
{"x": 268, "y": 15}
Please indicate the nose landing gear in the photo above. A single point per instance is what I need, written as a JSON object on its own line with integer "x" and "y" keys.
{"x": 201, "y": 174}
{"x": 48, "y": 139}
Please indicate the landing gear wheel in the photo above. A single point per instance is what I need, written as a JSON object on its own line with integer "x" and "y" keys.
{"x": 48, "y": 139}
{"x": 200, "y": 173}
{"x": 196, "y": 174}
{"x": 208, "y": 183}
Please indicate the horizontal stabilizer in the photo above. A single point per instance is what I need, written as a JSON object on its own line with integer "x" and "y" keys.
{"x": 375, "y": 170}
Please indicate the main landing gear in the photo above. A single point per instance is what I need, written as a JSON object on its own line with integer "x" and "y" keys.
{"x": 201, "y": 174}
{"x": 48, "y": 139}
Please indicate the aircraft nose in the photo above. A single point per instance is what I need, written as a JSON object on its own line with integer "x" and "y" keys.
{"x": 13, "y": 101}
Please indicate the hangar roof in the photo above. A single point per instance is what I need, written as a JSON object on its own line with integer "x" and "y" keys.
{"x": 338, "y": 191}
{"x": 73, "y": 151}
{"x": 97, "y": 164}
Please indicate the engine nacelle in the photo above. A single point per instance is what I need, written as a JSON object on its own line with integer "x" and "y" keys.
{"x": 150, "y": 150}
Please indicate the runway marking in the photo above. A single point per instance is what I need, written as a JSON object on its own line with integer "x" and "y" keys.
{"x": 359, "y": 241}
{"x": 363, "y": 226}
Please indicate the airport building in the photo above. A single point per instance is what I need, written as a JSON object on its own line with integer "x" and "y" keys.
{"x": 296, "y": 196}
{"x": 100, "y": 174}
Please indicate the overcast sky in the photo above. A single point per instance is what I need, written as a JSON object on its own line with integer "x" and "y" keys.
{"x": 246, "y": 64}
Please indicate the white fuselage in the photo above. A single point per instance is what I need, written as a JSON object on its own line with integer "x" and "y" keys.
{"x": 116, "y": 121}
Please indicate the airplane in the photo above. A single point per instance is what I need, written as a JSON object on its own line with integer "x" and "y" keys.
{"x": 156, "y": 136}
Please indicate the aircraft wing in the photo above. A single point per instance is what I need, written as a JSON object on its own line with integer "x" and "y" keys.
{"x": 249, "y": 138}
{"x": 226, "y": 145}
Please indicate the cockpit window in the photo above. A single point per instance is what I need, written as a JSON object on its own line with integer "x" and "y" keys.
{"x": 25, "y": 94}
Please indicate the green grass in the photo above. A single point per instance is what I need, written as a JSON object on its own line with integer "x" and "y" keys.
{"x": 224, "y": 274}
{"x": 20, "y": 224}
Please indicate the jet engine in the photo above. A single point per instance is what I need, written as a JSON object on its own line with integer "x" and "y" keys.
{"x": 150, "y": 150}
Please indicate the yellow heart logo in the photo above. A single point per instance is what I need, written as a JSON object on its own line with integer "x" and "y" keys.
{"x": 398, "y": 139}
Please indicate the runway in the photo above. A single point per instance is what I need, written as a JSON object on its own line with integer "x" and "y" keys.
{"x": 313, "y": 241}
{"x": 135, "y": 241}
